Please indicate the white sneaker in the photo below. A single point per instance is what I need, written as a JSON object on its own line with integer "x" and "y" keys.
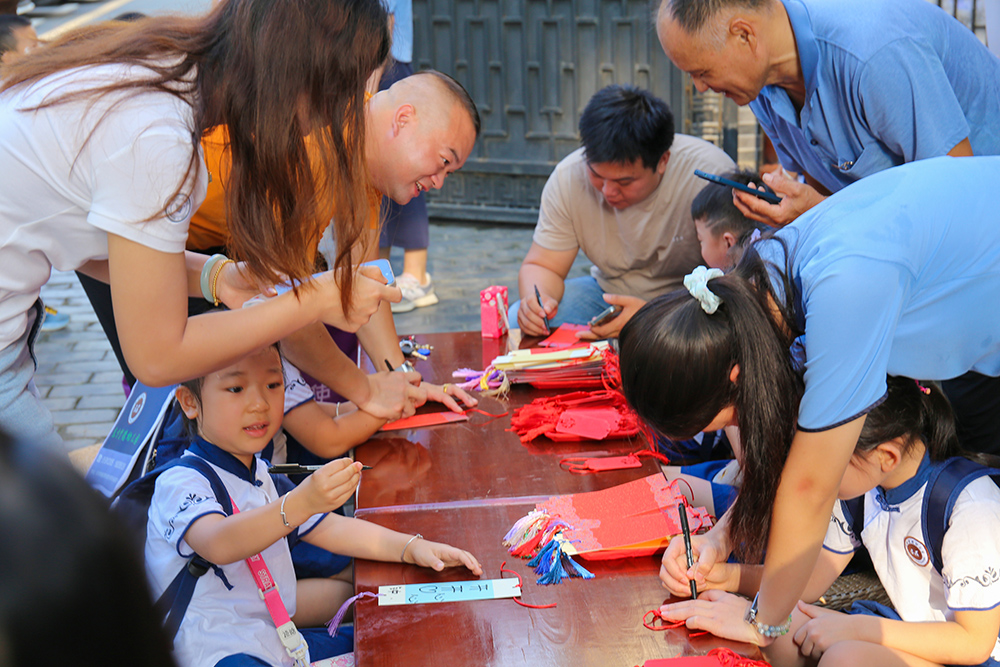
{"x": 415, "y": 295}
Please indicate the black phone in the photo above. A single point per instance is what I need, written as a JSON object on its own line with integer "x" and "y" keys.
{"x": 605, "y": 316}
{"x": 767, "y": 194}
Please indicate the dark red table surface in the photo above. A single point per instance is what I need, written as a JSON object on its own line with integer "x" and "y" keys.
{"x": 596, "y": 621}
{"x": 480, "y": 458}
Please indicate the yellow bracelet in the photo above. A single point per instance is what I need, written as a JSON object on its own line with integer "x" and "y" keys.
{"x": 215, "y": 279}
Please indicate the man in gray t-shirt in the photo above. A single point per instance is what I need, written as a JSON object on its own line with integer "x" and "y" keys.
{"x": 624, "y": 199}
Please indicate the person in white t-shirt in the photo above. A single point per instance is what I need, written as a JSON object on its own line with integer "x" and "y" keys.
{"x": 236, "y": 411}
{"x": 949, "y": 617}
{"x": 624, "y": 199}
{"x": 99, "y": 135}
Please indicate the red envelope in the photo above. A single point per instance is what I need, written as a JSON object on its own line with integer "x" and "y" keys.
{"x": 564, "y": 336}
{"x": 425, "y": 420}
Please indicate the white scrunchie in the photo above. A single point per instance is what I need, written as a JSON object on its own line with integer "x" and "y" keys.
{"x": 697, "y": 283}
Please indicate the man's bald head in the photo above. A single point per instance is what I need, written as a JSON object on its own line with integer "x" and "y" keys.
{"x": 436, "y": 90}
{"x": 421, "y": 130}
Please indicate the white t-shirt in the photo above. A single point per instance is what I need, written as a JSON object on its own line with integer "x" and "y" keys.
{"x": 644, "y": 250}
{"x": 70, "y": 178}
{"x": 892, "y": 533}
{"x": 219, "y": 622}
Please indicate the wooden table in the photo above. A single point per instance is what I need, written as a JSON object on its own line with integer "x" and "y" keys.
{"x": 480, "y": 458}
{"x": 597, "y": 622}
{"x": 466, "y": 484}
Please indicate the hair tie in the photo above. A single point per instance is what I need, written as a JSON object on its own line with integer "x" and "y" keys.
{"x": 754, "y": 237}
{"x": 697, "y": 283}
{"x": 924, "y": 390}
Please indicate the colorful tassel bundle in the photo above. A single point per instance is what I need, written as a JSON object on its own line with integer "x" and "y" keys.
{"x": 491, "y": 382}
{"x": 539, "y": 535}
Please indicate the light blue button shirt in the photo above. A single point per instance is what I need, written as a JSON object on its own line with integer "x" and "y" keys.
{"x": 887, "y": 82}
{"x": 898, "y": 273}
{"x": 402, "y": 35}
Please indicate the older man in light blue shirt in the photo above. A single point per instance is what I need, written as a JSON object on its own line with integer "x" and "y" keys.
{"x": 843, "y": 88}
{"x": 846, "y": 89}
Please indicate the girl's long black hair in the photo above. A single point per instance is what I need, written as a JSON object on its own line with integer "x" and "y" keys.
{"x": 676, "y": 362}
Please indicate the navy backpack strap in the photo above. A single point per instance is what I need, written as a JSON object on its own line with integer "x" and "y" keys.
{"x": 174, "y": 601}
{"x": 944, "y": 485}
{"x": 854, "y": 513}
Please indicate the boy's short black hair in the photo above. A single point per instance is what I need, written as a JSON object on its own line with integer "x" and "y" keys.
{"x": 714, "y": 206}
{"x": 8, "y": 24}
{"x": 623, "y": 123}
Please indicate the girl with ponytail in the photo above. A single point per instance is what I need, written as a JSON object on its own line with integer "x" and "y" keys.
{"x": 886, "y": 277}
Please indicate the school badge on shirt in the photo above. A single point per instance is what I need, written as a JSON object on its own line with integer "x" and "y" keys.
{"x": 916, "y": 551}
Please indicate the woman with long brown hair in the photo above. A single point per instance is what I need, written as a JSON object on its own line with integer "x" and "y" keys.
{"x": 99, "y": 135}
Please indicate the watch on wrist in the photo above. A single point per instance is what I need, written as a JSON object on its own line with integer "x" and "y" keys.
{"x": 770, "y": 631}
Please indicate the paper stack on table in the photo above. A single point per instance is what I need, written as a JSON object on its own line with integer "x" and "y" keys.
{"x": 578, "y": 366}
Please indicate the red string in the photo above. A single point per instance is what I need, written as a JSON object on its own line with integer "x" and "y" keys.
{"x": 664, "y": 624}
{"x": 488, "y": 414}
{"x": 578, "y": 464}
{"x": 678, "y": 480}
{"x": 503, "y": 568}
{"x": 670, "y": 625}
{"x": 727, "y": 657}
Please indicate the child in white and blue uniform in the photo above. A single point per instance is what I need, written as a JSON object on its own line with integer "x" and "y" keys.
{"x": 949, "y": 616}
{"x": 237, "y": 411}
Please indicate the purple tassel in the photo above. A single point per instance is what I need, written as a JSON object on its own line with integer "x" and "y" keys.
{"x": 334, "y": 622}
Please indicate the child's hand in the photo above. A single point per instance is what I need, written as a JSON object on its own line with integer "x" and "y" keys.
{"x": 707, "y": 571}
{"x": 825, "y": 627}
{"x": 329, "y": 487}
{"x": 449, "y": 395}
{"x": 438, "y": 556}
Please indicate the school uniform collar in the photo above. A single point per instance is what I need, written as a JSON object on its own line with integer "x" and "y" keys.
{"x": 225, "y": 460}
{"x": 897, "y": 496}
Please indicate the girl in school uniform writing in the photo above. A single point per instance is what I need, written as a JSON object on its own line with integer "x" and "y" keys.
{"x": 100, "y": 131}
{"x": 896, "y": 275}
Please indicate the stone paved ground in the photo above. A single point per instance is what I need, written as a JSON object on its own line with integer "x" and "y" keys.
{"x": 80, "y": 381}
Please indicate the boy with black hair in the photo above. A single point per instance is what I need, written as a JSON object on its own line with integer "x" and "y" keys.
{"x": 720, "y": 225}
{"x": 624, "y": 199}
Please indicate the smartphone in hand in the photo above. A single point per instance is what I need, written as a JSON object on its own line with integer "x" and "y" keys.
{"x": 386, "y": 269}
{"x": 605, "y": 316}
{"x": 767, "y": 194}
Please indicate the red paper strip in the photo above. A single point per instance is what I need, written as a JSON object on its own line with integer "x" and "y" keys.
{"x": 564, "y": 336}
{"x": 424, "y": 420}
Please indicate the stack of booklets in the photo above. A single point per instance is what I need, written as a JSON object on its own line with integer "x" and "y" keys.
{"x": 578, "y": 366}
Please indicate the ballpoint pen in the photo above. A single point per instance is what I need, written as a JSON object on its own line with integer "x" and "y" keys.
{"x": 686, "y": 530}
{"x": 545, "y": 317}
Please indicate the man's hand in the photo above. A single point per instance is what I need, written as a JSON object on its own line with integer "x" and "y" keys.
{"x": 629, "y": 304}
{"x": 797, "y": 198}
{"x": 531, "y": 317}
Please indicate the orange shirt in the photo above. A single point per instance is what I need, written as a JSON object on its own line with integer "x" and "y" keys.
{"x": 208, "y": 227}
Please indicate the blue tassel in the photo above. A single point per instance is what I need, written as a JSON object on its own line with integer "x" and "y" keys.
{"x": 543, "y": 554}
{"x": 577, "y": 570}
